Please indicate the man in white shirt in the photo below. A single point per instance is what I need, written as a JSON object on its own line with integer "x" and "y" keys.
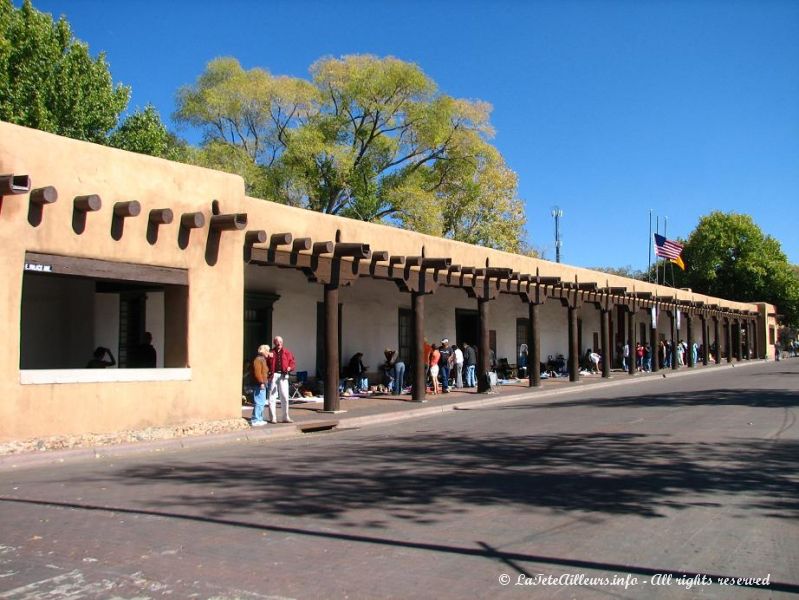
{"x": 458, "y": 367}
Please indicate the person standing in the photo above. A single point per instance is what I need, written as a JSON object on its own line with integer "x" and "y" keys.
{"x": 281, "y": 364}
{"x": 458, "y": 367}
{"x": 398, "y": 366}
{"x": 470, "y": 360}
{"x": 432, "y": 360}
{"x": 445, "y": 356}
{"x": 260, "y": 373}
{"x": 145, "y": 355}
{"x": 625, "y": 355}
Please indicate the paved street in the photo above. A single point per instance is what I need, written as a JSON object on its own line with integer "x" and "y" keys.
{"x": 650, "y": 485}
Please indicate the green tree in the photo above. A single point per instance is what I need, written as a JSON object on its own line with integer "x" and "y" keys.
{"x": 49, "y": 81}
{"x": 728, "y": 256}
{"x": 143, "y": 132}
{"x": 366, "y": 138}
{"x": 625, "y": 271}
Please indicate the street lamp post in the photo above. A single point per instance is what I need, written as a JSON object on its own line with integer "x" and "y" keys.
{"x": 557, "y": 214}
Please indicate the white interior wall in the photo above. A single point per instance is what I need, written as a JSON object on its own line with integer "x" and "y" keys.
{"x": 370, "y": 317}
{"x": 106, "y": 321}
{"x": 154, "y": 323}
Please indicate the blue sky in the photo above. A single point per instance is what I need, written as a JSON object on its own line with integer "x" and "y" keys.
{"x": 604, "y": 108}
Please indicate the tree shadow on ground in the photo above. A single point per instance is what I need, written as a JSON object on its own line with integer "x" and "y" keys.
{"x": 763, "y": 398}
{"x": 422, "y": 477}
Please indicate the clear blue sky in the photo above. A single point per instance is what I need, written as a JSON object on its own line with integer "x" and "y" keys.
{"x": 605, "y": 108}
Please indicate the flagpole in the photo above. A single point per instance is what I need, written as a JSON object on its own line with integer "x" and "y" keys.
{"x": 657, "y": 263}
{"x": 665, "y": 235}
{"x": 649, "y": 265}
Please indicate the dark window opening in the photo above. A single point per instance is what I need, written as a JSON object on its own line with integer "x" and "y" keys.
{"x": 75, "y": 314}
{"x": 405, "y": 335}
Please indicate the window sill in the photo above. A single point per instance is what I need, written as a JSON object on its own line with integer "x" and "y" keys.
{"x": 50, "y": 376}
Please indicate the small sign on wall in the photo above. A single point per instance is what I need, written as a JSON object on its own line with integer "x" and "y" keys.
{"x": 39, "y": 268}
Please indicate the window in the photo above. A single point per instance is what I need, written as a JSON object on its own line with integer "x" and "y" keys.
{"x": 72, "y": 308}
{"x": 522, "y": 335}
{"x": 405, "y": 335}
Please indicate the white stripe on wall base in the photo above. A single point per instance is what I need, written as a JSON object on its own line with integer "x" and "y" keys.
{"x": 49, "y": 376}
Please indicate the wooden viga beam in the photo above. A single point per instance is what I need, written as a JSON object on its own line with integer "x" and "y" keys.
{"x": 161, "y": 216}
{"x": 280, "y": 239}
{"x": 44, "y": 195}
{"x": 352, "y": 250}
{"x": 501, "y": 272}
{"x": 229, "y": 222}
{"x": 131, "y": 208}
{"x": 301, "y": 245}
{"x": 436, "y": 263}
{"x": 11, "y": 185}
{"x": 192, "y": 220}
{"x": 546, "y": 280}
{"x": 255, "y": 236}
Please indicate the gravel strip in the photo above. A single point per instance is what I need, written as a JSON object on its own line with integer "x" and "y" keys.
{"x": 91, "y": 440}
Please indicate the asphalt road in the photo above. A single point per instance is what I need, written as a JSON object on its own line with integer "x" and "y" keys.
{"x": 650, "y": 490}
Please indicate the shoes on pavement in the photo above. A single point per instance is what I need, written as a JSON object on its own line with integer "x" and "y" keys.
{"x": 287, "y": 421}
{"x": 257, "y": 423}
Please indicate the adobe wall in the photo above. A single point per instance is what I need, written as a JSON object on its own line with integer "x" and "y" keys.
{"x": 215, "y": 292}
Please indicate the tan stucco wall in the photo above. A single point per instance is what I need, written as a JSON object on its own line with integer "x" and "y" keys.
{"x": 215, "y": 294}
{"x": 320, "y": 227}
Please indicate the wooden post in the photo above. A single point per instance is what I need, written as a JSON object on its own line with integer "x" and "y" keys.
{"x": 717, "y": 335}
{"x": 654, "y": 352}
{"x": 689, "y": 317}
{"x": 605, "y": 333}
{"x": 755, "y": 339}
{"x": 674, "y": 335}
{"x": 331, "y": 403}
{"x": 534, "y": 347}
{"x": 705, "y": 339}
{"x": 574, "y": 351}
{"x": 483, "y": 384}
{"x": 728, "y": 335}
{"x": 631, "y": 367}
{"x": 419, "y": 383}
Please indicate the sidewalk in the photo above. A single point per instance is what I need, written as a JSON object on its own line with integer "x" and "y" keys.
{"x": 356, "y": 412}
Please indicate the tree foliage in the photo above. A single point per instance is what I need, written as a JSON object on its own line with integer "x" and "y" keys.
{"x": 625, "y": 271}
{"x": 367, "y": 138}
{"x": 49, "y": 81}
{"x": 728, "y": 256}
{"x": 143, "y": 132}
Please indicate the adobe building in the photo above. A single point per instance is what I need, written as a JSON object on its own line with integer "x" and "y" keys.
{"x": 101, "y": 245}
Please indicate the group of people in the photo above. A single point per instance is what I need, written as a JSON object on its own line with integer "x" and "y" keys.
{"x": 392, "y": 369}
{"x": 271, "y": 369}
{"x": 452, "y": 365}
{"x": 643, "y": 355}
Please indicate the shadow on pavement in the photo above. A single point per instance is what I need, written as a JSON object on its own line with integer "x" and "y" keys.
{"x": 422, "y": 477}
{"x": 764, "y": 398}
{"x": 512, "y": 559}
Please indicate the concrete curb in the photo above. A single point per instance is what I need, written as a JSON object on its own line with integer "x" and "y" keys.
{"x": 343, "y": 423}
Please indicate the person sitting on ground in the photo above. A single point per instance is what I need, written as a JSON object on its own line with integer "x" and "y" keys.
{"x": 388, "y": 368}
{"x": 98, "y": 360}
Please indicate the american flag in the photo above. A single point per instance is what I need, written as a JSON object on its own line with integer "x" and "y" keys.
{"x": 666, "y": 248}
